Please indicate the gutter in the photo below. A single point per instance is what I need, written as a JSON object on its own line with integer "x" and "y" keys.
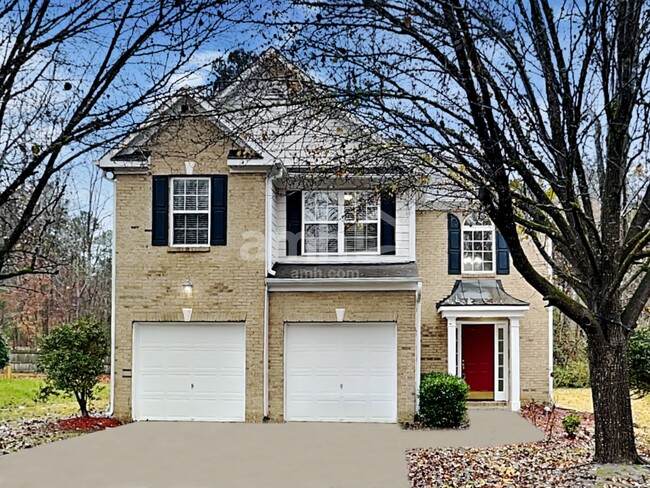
{"x": 343, "y": 284}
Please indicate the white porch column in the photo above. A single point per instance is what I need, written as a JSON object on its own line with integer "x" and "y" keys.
{"x": 452, "y": 367}
{"x": 515, "y": 400}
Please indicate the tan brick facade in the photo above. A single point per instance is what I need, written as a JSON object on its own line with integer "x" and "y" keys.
{"x": 431, "y": 250}
{"x": 376, "y": 306}
{"x": 149, "y": 279}
{"x": 229, "y": 283}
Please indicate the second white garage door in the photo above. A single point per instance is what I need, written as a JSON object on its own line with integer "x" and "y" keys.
{"x": 189, "y": 371}
{"x": 341, "y": 372}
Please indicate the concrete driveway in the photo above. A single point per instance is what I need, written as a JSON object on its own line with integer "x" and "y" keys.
{"x": 208, "y": 455}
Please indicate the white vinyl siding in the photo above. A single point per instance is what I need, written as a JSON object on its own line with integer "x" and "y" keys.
{"x": 275, "y": 236}
{"x": 402, "y": 238}
{"x": 190, "y": 212}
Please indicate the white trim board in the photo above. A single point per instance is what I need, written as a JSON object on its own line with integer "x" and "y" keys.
{"x": 343, "y": 284}
{"x": 483, "y": 311}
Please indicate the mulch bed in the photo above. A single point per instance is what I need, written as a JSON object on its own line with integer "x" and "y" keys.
{"x": 28, "y": 433}
{"x": 556, "y": 462}
{"x": 87, "y": 424}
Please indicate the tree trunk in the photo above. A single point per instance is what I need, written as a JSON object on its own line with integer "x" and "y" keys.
{"x": 610, "y": 389}
{"x": 83, "y": 406}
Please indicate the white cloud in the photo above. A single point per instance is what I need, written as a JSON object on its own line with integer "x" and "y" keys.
{"x": 197, "y": 69}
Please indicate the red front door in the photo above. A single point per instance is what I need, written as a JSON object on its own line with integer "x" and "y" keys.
{"x": 478, "y": 360}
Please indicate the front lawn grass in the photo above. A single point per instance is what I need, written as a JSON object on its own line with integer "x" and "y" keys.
{"x": 580, "y": 399}
{"x": 18, "y": 400}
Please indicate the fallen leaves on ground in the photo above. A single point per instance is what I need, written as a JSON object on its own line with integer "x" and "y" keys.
{"x": 27, "y": 433}
{"x": 548, "y": 419}
{"x": 557, "y": 462}
{"x": 526, "y": 465}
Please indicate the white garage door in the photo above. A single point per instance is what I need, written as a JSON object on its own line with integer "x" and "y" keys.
{"x": 341, "y": 372}
{"x": 189, "y": 371}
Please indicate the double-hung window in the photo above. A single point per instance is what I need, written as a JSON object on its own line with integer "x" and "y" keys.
{"x": 341, "y": 222}
{"x": 478, "y": 244}
{"x": 190, "y": 211}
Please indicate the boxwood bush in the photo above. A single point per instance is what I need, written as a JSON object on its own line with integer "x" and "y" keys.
{"x": 4, "y": 352}
{"x": 443, "y": 400}
{"x": 574, "y": 375}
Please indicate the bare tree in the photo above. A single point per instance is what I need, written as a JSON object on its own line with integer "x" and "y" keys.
{"x": 74, "y": 77}
{"x": 537, "y": 111}
{"x": 36, "y": 303}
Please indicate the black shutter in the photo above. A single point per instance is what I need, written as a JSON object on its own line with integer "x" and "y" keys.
{"x": 160, "y": 211}
{"x": 503, "y": 255}
{"x": 219, "y": 211}
{"x": 453, "y": 244}
{"x": 387, "y": 224}
{"x": 294, "y": 223}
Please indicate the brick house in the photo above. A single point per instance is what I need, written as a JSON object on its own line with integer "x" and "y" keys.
{"x": 241, "y": 294}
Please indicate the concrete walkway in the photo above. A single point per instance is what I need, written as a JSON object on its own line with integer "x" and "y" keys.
{"x": 211, "y": 455}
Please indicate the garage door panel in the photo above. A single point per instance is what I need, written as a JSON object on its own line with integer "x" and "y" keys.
{"x": 165, "y": 383}
{"x": 189, "y": 372}
{"x": 341, "y": 372}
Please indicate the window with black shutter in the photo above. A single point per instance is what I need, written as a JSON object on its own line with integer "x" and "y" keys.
{"x": 190, "y": 211}
{"x": 503, "y": 256}
{"x": 453, "y": 244}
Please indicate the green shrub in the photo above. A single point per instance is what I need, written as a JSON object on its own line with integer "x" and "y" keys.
{"x": 573, "y": 375}
{"x": 4, "y": 352}
{"x": 443, "y": 400}
{"x": 571, "y": 425}
{"x": 72, "y": 357}
{"x": 639, "y": 362}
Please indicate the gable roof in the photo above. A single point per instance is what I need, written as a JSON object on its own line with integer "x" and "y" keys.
{"x": 276, "y": 114}
{"x": 133, "y": 150}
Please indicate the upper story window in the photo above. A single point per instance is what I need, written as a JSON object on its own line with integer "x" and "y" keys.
{"x": 341, "y": 222}
{"x": 478, "y": 247}
{"x": 190, "y": 212}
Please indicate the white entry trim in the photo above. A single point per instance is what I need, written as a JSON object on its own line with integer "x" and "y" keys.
{"x": 515, "y": 401}
{"x": 513, "y": 314}
{"x": 499, "y": 396}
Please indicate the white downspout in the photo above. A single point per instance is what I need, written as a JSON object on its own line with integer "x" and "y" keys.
{"x": 551, "y": 331}
{"x": 266, "y": 351}
{"x": 418, "y": 343}
{"x": 275, "y": 173}
{"x": 268, "y": 252}
{"x": 550, "y": 354}
{"x": 111, "y": 400}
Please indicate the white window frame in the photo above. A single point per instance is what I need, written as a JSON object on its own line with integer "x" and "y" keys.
{"x": 341, "y": 225}
{"x": 501, "y": 395}
{"x": 173, "y": 212}
{"x": 477, "y": 228}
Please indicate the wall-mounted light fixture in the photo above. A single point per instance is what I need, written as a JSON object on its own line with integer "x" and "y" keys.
{"x": 188, "y": 287}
